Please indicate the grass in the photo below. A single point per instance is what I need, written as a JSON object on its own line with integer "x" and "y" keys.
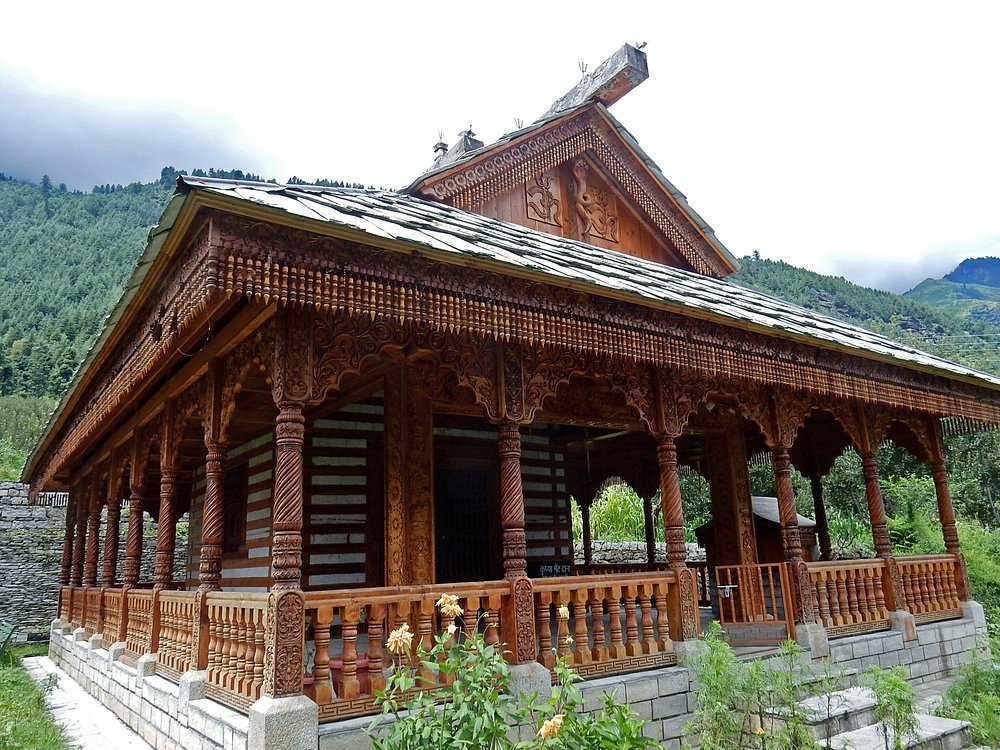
{"x": 25, "y": 723}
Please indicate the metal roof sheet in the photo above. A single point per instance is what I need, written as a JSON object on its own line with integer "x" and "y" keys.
{"x": 413, "y": 220}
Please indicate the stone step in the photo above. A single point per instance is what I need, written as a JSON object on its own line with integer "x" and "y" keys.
{"x": 933, "y": 733}
{"x": 840, "y": 712}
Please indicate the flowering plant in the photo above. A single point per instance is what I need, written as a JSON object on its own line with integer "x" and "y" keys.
{"x": 457, "y": 695}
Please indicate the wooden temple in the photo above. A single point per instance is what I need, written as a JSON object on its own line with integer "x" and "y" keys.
{"x": 364, "y": 399}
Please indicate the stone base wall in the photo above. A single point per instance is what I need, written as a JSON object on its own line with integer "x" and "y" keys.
{"x": 629, "y": 553}
{"x": 165, "y": 715}
{"x": 31, "y": 541}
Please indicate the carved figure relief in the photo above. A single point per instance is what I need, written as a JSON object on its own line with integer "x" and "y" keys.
{"x": 594, "y": 208}
{"x": 542, "y": 197}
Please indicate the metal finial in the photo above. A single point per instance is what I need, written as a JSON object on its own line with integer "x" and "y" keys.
{"x": 583, "y": 67}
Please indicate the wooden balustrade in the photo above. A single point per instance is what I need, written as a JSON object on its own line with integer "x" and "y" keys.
{"x": 848, "y": 595}
{"x": 139, "y": 628}
{"x": 113, "y": 600}
{"x": 178, "y": 618}
{"x": 703, "y": 579}
{"x": 929, "y": 586}
{"x": 235, "y": 664}
{"x": 79, "y": 598}
{"x": 92, "y": 610}
{"x": 613, "y": 568}
{"x": 612, "y": 624}
{"x": 351, "y": 628}
{"x": 755, "y": 595}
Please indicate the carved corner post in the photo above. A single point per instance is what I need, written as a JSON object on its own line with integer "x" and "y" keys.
{"x": 519, "y": 617}
{"x": 419, "y": 453}
{"x": 790, "y": 536}
{"x": 93, "y": 532}
{"x": 80, "y": 538}
{"x": 946, "y": 509}
{"x": 66, "y": 563}
{"x": 109, "y": 568}
{"x": 133, "y": 538}
{"x": 212, "y": 522}
{"x": 166, "y": 526}
{"x": 397, "y": 572}
{"x": 291, "y": 384}
{"x": 675, "y": 402}
{"x": 892, "y": 586}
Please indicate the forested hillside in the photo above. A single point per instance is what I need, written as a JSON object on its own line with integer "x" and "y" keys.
{"x": 972, "y": 291}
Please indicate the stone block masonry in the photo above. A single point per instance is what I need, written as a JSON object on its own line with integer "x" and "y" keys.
{"x": 31, "y": 539}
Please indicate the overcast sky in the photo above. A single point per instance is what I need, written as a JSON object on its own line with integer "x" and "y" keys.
{"x": 859, "y": 139}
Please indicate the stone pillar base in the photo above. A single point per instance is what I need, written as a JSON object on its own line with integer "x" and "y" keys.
{"x": 79, "y": 634}
{"x": 95, "y": 642}
{"x": 530, "y": 678}
{"x": 903, "y": 622}
{"x": 813, "y": 637}
{"x": 145, "y": 666}
{"x": 283, "y": 724}
{"x": 190, "y": 688}
{"x": 972, "y": 610}
{"x": 115, "y": 651}
{"x": 685, "y": 650}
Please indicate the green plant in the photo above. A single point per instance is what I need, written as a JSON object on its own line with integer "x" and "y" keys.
{"x": 975, "y": 698}
{"x": 24, "y": 720}
{"x": 456, "y": 694}
{"x": 895, "y": 704}
{"x": 826, "y": 687}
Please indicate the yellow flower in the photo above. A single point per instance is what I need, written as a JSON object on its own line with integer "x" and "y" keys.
{"x": 760, "y": 730}
{"x": 563, "y": 612}
{"x": 551, "y": 727}
{"x": 400, "y": 639}
{"x": 569, "y": 640}
{"x": 448, "y": 604}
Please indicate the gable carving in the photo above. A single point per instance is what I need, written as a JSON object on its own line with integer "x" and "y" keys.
{"x": 542, "y": 198}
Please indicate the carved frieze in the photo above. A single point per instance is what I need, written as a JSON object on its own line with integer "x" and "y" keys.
{"x": 542, "y": 200}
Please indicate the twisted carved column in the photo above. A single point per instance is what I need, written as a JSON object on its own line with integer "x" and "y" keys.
{"x": 79, "y": 544}
{"x": 212, "y": 528}
{"x": 93, "y": 541}
{"x": 289, "y": 438}
{"x": 166, "y": 530}
{"x": 109, "y": 569}
{"x": 519, "y": 619}
{"x": 946, "y": 512}
{"x": 682, "y": 603}
{"x": 133, "y": 538}
{"x": 880, "y": 531}
{"x": 790, "y": 537}
{"x": 66, "y": 564}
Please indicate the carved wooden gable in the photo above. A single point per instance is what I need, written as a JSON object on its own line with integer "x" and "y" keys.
{"x": 576, "y": 177}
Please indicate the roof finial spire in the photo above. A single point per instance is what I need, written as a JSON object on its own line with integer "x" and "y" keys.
{"x": 440, "y": 148}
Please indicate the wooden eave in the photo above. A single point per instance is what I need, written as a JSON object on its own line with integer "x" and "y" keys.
{"x": 489, "y": 161}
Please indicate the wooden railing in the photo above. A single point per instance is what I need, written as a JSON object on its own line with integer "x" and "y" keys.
{"x": 929, "y": 587}
{"x": 92, "y": 611}
{"x": 235, "y": 662}
{"x": 614, "y": 624}
{"x": 351, "y": 628}
{"x": 703, "y": 580}
{"x": 178, "y": 618}
{"x": 66, "y": 603}
{"x": 79, "y": 599}
{"x": 113, "y": 600}
{"x": 755, "y": 602}
{"x": 139, "y": 628}
{"x": 614, "y": 568}
{"x": 848, "y": 595}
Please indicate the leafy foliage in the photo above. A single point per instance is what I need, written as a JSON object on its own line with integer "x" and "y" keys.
{"x": 25, "y": 724}
{"x": 895, "y": 704}
{"x": 975, "y": 698}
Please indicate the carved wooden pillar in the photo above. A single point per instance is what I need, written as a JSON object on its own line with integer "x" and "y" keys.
{"x": 822, "y": 524}
{"x": 790, "y": 536}
{"x": 93, "y": 535}
{"x": 212, "y": 521}
{"x": 136, "y": 500}
{"x": 946, "y": 509}
{"x": 880, "y": 530}
{"x": 66, "y": 564}
{"x": 519, "y": 619}
{"x": 289, "y": 439}
{"x": 681, "y": 604}
{"x": 79, "y": 551}
{"x": 109, "y": 569}
{"x": 166, "y": 529}
{"x": 397, "y": 571}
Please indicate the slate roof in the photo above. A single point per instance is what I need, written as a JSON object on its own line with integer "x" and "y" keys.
{"x": 376, "y": 217}
{"x": 625, "y": 135}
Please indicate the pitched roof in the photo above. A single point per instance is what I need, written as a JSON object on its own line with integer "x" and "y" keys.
{"x": 379, "y": 217}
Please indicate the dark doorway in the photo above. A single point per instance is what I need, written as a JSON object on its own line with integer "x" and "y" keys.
{"x": 462, "y": 515}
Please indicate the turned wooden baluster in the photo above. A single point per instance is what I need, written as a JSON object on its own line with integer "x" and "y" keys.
{"x": 562, "y": 634}
{"x": 258, "y": 654}
{"x": 231, "y": 648}
{"x": 376, "y": 632}
{"x": 615, "y": 621}
{"x": 349, "y": 617}
{"x": 845, "y": 608}
{"x": 425, "y": 634}
{"x": 600, "y": 650}
{"x": 660, "y": 591}
{"x": 322, "y": 690}
{"x": 632, "y": 645}
{"x": 854, "y": 606}
{"x": 212, "y": 668}
{"x": 581, "y": 636}
{"x": 872, "y": 582}
{"x": 932, "y": 587}
{"x": 492, "y": 635}
{"x": 648, "y": 643}
{"x": 877, "y": 579}
{"x": 543, "y": 611}
{"x": 243, "y": 677}
{"x": 819, "y": 585}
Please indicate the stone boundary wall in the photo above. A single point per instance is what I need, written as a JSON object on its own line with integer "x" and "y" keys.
{"x": 179, "y": 717}
{"x": 31, "y": 539}
{"x": 629, "y": 553}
